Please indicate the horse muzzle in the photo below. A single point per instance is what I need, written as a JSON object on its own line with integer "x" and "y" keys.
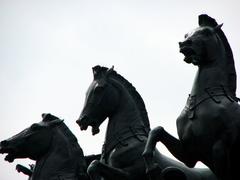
{"x": 189, "y": 53}
{"x": 83, "y": 122}
{"x": 6, "y": 149}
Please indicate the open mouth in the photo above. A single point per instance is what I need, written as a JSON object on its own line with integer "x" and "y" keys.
{"x": 84, "y": 126}
{"x": 10, "y": 154}
{"x": 189, "y": 54}
{"x": 10, "y": 157}
{"x": 95, "y": 129}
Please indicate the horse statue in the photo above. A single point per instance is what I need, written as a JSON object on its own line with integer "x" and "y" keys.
{"x": 209, "y": 125}
{"x": 112, "y": 96}
{"x": 54, "y": 148}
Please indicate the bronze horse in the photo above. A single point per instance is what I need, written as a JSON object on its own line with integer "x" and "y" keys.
{"x": 54, "y": 148}
{"x": 209, "y": 125}
{"x": 112, "y": 96}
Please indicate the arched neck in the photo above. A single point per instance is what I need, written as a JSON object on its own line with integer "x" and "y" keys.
{"x": 209, "y": 76}
{"x": 127, "y": 115}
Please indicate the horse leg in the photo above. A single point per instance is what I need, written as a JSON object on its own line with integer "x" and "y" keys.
{"x": 225, "y": 157}
{"x": 97, "y": 169}
{"x": 219, "y": 159}
{"x": 172, "y": 144}
{"x": 152, "y": 168}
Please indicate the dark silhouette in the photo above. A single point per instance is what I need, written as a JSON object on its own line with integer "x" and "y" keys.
{"x": 209, "y": 125}
{"x": 54, "y": 148}
{"x": 25, "y": 170}
{"x": 112, "y": 96}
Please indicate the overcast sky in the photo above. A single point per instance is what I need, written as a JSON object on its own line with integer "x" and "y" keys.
{"x": 48, "y": 47}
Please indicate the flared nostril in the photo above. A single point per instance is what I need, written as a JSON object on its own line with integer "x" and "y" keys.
{"x": 4, "y": 143}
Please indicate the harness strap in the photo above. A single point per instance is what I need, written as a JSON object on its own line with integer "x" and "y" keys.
{"x": 210, "y": 93}
{"x": 121, "y": 137}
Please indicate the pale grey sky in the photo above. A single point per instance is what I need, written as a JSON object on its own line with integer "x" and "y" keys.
{"x": 48, "y": 47}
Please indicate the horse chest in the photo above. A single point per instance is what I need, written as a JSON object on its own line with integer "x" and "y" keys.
{"x": 195, "y": 125}
{"x": 202, "y": 126}
{"x": 184, "y": 127}
{"x": 128, "y": 155}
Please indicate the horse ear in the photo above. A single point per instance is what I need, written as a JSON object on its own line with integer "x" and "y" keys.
{"x": 51, "y": 120}
{"x": 96, "y": 71}
{"x": 47, "y": 117}
{"x": 216, "y": 28}
{"x": 110, "y": 70}
{"x": 55, "y": 122}
{"x": 205, "y": 20}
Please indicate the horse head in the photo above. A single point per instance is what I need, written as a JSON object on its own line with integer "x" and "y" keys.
{"x": 101, "y": 99}
{"x": 33, "y": 142}
{"x": 111, "y": 96}
{"x": 203, "y": 45}
{"x": 207, "y": 46}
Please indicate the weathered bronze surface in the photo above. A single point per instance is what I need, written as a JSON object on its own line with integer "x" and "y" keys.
{"x": 112, "y": 96}
{"x": 209, "y": 125}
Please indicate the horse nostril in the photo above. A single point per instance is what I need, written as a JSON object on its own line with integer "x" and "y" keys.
{"x": 82, "y": 118}
{"x": 188, "y": 42}
{"x": 180, "y": 44}
{"x": 78, "y": 121}
{"x": 4, "y": 143}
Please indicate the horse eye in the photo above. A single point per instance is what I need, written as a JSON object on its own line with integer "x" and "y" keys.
{"x": 35, "y": 127}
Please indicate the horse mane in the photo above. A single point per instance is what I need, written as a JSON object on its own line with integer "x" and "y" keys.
{"x": 68, "y": 134}
{"x": 205, "y": 20}
{"x": 132, "y": 90}
{"x": 64, "y": 133}
{"x": 76, "y": 147}
{"x": 232, "y": 77}
{"x": 47, "y": 117}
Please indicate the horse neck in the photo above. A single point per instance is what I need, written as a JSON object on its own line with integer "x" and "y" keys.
{"x": 127, "y": 115}
{"x": 211, "y": 75}
{"x": 59, "y": 160}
